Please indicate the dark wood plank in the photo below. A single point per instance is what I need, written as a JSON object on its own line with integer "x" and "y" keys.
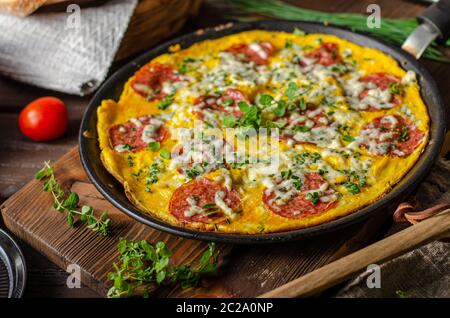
{"x": 30, "y": 216}
{"x": 19, "y": 158}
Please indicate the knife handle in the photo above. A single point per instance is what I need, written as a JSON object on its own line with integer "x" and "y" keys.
{"x": 438, "y": 17}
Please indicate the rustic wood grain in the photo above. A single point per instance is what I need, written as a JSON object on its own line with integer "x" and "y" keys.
{"x": 20, "y": 158}
{"x": 397, "y": 244}
{"x": 30, "y": 216}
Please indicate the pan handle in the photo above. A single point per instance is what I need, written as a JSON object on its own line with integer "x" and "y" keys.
{"x": 438, "y": 17}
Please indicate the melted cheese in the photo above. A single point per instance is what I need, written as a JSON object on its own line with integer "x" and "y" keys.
{"x": 335, "y": 90}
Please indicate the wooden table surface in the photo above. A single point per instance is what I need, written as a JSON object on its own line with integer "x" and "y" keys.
{"x": 20, "y": 158}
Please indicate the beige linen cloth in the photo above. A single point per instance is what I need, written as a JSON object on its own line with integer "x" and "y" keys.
{"x": 424, "y": 272}
{"x": 54, "y": 51}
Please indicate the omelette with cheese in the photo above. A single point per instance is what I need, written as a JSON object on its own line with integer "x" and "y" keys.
{"x": 262, "y": 131}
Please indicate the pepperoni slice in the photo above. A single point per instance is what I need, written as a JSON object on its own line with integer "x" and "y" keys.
{"x": 149, "y": 80}
{"x": 129, "y": 136}
{"x": 202, "y": 192}
{"x": 227, "y": 103}
{"x": 327, "y": 54}
{"x": 391, "y": 134}
{"x": 257, "y": 53}
{"x": 383, "y": 81}
{"x": 300, "y": 206}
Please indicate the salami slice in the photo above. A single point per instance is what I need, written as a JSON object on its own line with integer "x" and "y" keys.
{"x": 150, "y": 79}
{"x": 392, "y": 135}
{"x": 257, "y": 53}
{"x": 327, "y": 54}
{"x": 382, "y": 81}
{"x": 136, "y": 134}
{"x": 226, "y": 103}
{"x": 196, "y": 201}
{"x": 301, "y": 205}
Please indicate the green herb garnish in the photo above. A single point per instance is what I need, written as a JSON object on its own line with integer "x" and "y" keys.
{"x": 165, "y": 154}
{"x": 348, "y": 138}
{"x": 154, "y": 146}
{"x": 314, "y": 197}
{"x": 69, "y": 203}
{"x": 404, "y": 135}
{"x": 142, "y": 267}
{"x": 229, "y": 121}
{"x": 166, "y": 102}
{"x": 291, "y": 91}
{"x": 352, "y": 188}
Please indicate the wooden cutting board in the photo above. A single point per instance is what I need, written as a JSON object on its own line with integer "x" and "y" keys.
{"x": 246, "y": 270}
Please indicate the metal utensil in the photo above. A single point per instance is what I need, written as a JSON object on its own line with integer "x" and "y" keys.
{"x": 434, "y": 24}
{"x": 12, "y": 268}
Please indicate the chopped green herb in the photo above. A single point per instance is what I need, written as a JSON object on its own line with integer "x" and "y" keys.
{"x": 165, "y": 154}
{"x": 301, "y": 129}
{"x": 229, "y": 121}
{"x": 348, "y": 138}
{"x": 130, "y": 161}
{"x": 395, "y": 88}
{"x": 280, "y": 110}
{"x": 153, "y": 171}
{"x": 154, "y": 146}
{"x": 291, "y": 91}
{"x": 265, "y": 100}
{"x": 314, "y": 197}
{"x": 286, "y": 174}
{"x": 404, "y": 135}
{"x": 166, "y": 102}
{"x": 352, "y": 188}
{"x": 288, "y": 44}
{"x": 302, "y": 104}
{"x": 195, "y": 171}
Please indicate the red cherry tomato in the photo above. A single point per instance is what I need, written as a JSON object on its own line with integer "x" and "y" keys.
{"x": 44, "y": 119}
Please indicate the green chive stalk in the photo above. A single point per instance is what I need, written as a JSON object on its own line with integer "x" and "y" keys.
{"x": 394, "y": 31}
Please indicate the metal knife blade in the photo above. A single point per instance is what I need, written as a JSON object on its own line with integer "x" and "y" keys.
{"x": 418, "y": 41}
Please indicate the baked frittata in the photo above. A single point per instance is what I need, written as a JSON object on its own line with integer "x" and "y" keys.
{"x": 262, "y": 131}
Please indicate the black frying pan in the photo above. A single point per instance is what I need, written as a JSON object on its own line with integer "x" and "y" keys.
{"x": 114, "y": 192}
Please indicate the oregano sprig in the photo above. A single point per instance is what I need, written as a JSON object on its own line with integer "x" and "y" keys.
{"x": 143, "y": 267}
{"x": 68, "y": 204}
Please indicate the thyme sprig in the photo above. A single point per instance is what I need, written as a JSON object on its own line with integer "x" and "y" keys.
{"x": 68, "y": 204}
{"x": 143, "y": 267}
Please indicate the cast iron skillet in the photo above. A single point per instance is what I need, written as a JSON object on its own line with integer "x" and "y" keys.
{"x": 112, "y": 88}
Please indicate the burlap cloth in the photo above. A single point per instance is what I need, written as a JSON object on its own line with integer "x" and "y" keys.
{"x": 424, "y": 272}
{"x": 62, "y": 53}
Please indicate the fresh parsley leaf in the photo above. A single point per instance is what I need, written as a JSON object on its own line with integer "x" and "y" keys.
{"x": 229, "y": 121}
{"x": 348, "y": 138}
{"x": 265, "y": 100}
{"x": 154, "y": 146}
{"x": 165, "y": 154}
{"x": 280, "y": 110}
{"x": 291, "y": 91}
